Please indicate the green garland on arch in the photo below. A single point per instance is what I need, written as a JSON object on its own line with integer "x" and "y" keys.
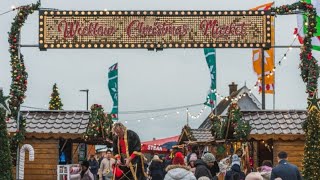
{"x": 310, "y": 74}
{"x": 19, "y": 75}
{"x": 308, "y": 65}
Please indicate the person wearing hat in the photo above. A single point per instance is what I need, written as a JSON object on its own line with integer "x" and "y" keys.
{"x": 85, "y": 172}
{"x": 178, "y": 170}
{"x": 203, "y": 166}
{"x": 193, "y": 158}
{"x": 235, "y": 172}
{"x": 156, "y": 168}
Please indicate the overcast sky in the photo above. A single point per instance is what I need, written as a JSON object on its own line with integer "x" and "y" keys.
{"x": 147, "y": 80}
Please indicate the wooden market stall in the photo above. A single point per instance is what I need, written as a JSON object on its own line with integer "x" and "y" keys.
{"x": 53, "y": 133}
{"x": 272, "y": 131}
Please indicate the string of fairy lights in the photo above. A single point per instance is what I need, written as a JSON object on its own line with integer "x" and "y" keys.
{"x": 185, "y": 109}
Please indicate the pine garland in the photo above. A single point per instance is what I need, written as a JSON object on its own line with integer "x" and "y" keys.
{"x": 308, "y": 65}
{"x": 311, "y": 127}
{"x": 99, "y": 126}
{"x": 218, "y": 127}
{"x": 18, "y": 73}
{"x": 5, "y": 157}
{"x": 310, "y": 74}
{"x": 55, "y": 100}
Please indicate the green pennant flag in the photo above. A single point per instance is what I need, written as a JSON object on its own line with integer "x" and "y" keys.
{"x": 210, "y": 54}
{"x": 113, "y": 89}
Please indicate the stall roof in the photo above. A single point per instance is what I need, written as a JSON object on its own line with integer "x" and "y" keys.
{"x": 270, "y": 124}
{"x": 53, "y": 123}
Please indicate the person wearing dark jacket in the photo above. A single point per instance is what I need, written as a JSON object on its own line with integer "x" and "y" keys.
{"x": 127, "y": 152}
{"x": 235, "y": 172}
{"x": 285, "y": 170}
{"x": 156, "y": 168}
{"x": 94, "y": 166}
{"x": 203, "y": 166}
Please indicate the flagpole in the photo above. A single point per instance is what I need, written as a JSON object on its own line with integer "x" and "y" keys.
{"x": 118, "y": 91}
{"x": 274, "y": 57}
{"x": 263, "y": 81}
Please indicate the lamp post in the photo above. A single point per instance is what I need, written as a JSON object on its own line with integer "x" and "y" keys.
{"x": 87, "y": 92}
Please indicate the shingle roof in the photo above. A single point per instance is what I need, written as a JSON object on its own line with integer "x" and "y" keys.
{"x": 276, "y": 122}
{"x": 224, "y": 104}
{"x": 202, "y": 135}
{"x": 62, "y": 122}
{"x": 286, "y": 122}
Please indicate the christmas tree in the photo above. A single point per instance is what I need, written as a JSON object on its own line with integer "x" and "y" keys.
{"x": 100, "y": 125}
{"x": 237, "y": 128}
{"x": 55, "y": 101}
{"x": 5, "y": 155}
{"x": 311, "y": 126}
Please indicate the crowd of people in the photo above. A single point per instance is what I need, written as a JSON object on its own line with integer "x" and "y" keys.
{"x": 207, "y": 168}
{"x": 191, "y": 167}
{"x": 126, "y": 162}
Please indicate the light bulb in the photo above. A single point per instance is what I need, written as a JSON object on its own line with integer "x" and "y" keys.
{"x": 13, "y": 7}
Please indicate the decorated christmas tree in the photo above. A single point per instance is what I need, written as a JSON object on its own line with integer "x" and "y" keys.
{"x": 5, "y": 155}
{"x": 311, "y": 126}
{"x": 241, "y": 127}
{"x": 232, "y": 127}
{"x": 100, "y": 125}
{"x": 55, "y": 101}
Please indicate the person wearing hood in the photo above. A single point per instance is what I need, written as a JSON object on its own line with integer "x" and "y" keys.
{"x": 191, "y": 163}
{"x": 178, "y": 170}
{"x": 156, "y": 168}
{"x": 235, "y": 172}
{"x": 203, "y": 166}
{"x": 265, "y": 169}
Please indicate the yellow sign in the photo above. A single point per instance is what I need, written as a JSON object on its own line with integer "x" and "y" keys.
{"x": 154, "y": 29}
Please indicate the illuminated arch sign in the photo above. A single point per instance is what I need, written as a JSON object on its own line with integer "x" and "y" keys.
{"x": 154, "y": 29}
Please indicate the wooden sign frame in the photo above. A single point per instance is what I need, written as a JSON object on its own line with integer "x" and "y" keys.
{"x": 154, "y": 29}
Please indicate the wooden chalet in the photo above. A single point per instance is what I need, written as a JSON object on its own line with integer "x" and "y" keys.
{"x": 202, "y": 135}
{"x": 52, "y": 133}
{"x": 272, "y": 131}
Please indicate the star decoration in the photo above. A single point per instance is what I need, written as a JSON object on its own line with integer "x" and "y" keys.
{"x": 4, "y": 103}
{"x": 313, "y": 102}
